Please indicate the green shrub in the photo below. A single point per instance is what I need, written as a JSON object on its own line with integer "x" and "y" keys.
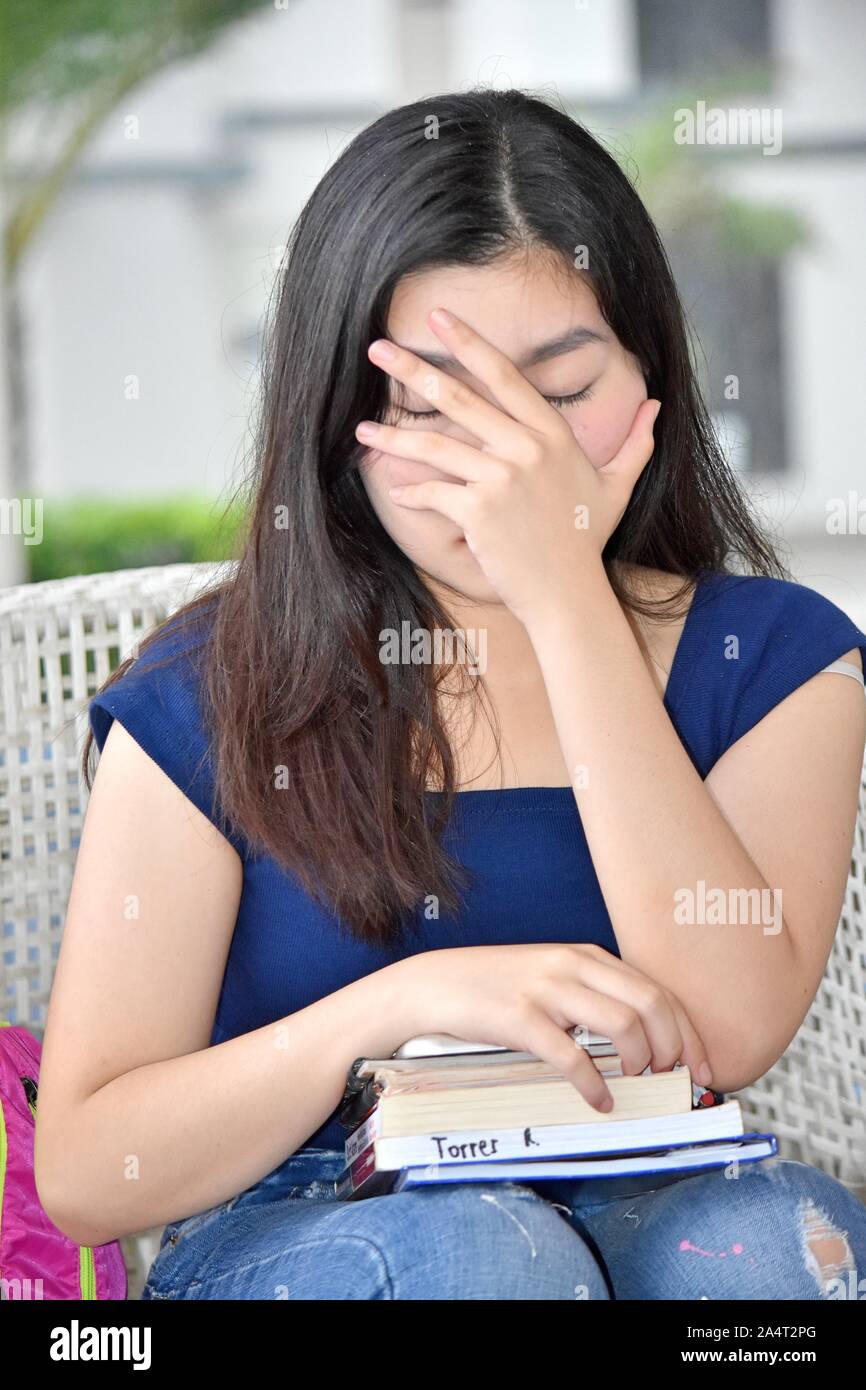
{"x": 89, "y": 535}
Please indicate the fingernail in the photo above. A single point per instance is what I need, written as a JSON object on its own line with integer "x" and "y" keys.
{"x": 442, "y": 318}
{"x": 394, "y": 491}
{"x": 606, "y": 1103}
{"x": 705, "y": 1076}
{"x": 383, "y": 350}
{"x": 366, "y": 430}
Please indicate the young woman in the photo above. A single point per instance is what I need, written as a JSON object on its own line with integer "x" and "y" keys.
{"x": 299, "y": 850}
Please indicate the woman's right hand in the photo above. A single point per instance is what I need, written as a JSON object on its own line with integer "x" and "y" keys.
{"x": 525, "y": 996}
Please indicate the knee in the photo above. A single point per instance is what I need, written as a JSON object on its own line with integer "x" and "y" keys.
{"x": 829, "y": 1220}
{"x": 479, "y": 1241}
{"x": 827, "y": 1212}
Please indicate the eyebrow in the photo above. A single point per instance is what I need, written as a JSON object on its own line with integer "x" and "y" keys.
{"x": 554, "y": 347}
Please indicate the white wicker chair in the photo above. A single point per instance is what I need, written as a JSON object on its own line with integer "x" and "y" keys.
{"x": 58, "y": 642}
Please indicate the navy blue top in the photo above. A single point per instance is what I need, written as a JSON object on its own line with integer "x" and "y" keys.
{"x": 747, "y": 642}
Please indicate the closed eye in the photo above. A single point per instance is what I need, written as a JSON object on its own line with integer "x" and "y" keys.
{"x": 560, "y": 402}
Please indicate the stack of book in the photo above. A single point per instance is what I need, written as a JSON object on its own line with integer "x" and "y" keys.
{"x": 475, "y": 1113}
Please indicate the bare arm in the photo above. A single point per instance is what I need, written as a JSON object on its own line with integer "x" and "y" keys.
{"x": 776, "y": 813}
{"x": 139, "y": 1120}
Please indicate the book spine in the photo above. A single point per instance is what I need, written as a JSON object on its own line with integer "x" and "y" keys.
{"x": 363, "y": 1179}
{"x": 359, "y": 1100}
{"x": 703, "y": 1097}
{"x": 356, "y": 1173}
{"x": 362, "y": 1136}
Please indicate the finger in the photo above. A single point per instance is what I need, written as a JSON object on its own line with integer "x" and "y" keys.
{"x": 502, "y": 434}
{"x": 571, "y": 1003}
{"x": 544, "y": 1039}
{"x": 644, "y": 998}
{"x": 694, "y": 1052}
{"x": 632, "y": 458}
{"x": 429, "y": 446}
{"x": 496, "y": 371}
{"x": 449, "y": 499}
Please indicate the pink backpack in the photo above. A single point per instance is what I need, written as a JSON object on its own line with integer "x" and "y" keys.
{"x": 36, "y": 1259}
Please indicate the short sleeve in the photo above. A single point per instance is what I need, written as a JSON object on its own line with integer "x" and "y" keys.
{"x": 158, "y": 701}
{"x": 806, "y": 633}
{"x": 761, "y": 638}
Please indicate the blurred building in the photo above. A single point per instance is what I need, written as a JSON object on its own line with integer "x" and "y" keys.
{"x": 144, "y": 293}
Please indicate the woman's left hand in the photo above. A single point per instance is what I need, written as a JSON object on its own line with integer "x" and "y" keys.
{"x": 534, "y": 511}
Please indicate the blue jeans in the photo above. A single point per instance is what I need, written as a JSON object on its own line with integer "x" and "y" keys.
{"x": 778, "y": 1230}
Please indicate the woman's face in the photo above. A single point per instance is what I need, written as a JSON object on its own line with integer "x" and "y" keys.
{"x": 518, "y": 307}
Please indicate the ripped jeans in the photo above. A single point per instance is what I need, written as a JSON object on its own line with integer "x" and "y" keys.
{"x": 779, "y": 1230}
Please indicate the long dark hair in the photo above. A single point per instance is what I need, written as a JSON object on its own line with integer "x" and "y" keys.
{"x": 291, "y": 669}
